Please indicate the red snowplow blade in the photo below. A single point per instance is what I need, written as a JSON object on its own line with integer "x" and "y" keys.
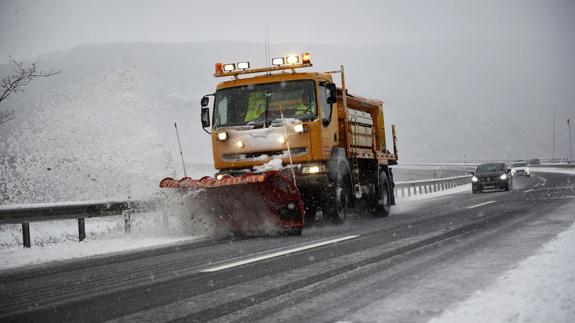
{"x": 247, "y": 203}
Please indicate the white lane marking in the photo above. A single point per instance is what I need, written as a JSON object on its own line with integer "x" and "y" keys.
{"x": 478, "y": 205}
{"x": 529, "y": 190}
{"x": 276, "y": 254}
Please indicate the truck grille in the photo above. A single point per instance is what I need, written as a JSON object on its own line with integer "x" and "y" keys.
{"x": 264, "y": 154}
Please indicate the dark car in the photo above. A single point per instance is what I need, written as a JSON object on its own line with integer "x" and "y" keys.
{"x": 491, "y": 176}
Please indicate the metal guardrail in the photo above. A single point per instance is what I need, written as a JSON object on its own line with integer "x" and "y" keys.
{"x": 420, "y": 187}
{"x": 25, "y": 214}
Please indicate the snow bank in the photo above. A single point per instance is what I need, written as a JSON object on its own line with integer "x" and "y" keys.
{"x": 540, "y": 289}
{"x": 177, "y": 219}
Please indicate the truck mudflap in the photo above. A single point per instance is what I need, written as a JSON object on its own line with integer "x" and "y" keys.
{"x": 253, "y": 202}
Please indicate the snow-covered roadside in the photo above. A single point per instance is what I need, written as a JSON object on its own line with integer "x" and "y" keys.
{"x": 58, "y": 240}
{"x": 540, "y": 289}
{"x": 570, "y": 171}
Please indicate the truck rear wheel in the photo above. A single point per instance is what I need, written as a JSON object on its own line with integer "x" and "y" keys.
{"x": 384, "y": 196}
{"x": 336, "y": 204}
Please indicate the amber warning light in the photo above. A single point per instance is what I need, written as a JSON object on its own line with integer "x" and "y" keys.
{"x": 279, "y": 63}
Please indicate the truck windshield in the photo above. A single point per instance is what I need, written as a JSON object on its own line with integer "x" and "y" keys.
{"x": 261, "y": 105}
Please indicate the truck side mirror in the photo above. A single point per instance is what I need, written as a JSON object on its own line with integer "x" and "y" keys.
{"x": 332, "y": 93}
{"x": 205, "y": 101}
{"x": 205, "y": 115}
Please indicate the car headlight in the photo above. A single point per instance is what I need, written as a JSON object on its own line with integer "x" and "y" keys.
{"x": 527, "y": 170}
{"x": 503, "y": 177}
{"x": 474, "y": 179}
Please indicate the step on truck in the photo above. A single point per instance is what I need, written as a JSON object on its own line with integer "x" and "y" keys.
{"x": 287, "y": 144}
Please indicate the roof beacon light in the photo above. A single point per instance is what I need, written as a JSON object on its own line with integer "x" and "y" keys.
{"x": 306, "y": 58}
{"x": 243, "y": 65}
{"x": 219, "y": 68}
{"x": 229, "y": 67}
{"x": 292, "y": 59}
{"x": 278, "y": 61}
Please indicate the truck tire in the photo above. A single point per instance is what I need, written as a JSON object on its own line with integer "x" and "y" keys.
{"x": 384, "y": 197}
{"x": 336, "y": 203}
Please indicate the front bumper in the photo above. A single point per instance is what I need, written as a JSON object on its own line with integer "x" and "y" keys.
{"x": 491, "y": 184}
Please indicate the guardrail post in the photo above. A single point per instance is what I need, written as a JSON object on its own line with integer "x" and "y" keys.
{"x": 127, "y": 222}
{"x": 81, "y": 229}
{"x": 26, "y": 234}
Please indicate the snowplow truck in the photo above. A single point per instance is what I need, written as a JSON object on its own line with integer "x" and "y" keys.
{"x": 287, "y": 144}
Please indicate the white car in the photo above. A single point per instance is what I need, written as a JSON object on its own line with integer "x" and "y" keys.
{"x": 520, "y": 169}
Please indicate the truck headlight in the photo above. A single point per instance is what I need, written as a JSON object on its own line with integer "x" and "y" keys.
{"x": 222, "y": 136}
{"x": 298, "y": 128}
{"x": 313, "y": 169}
{"x": 503, "y": 177}
{"x": 474, "y": 179}
{"x": 282, "y": 139}
{"x": 240, "y": 144}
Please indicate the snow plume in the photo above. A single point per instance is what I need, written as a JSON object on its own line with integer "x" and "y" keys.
{"x": 93, "y": 140}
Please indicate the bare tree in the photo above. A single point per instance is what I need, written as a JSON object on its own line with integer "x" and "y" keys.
{"x": 6, "y": 116}
{"x": 16, "y": 82}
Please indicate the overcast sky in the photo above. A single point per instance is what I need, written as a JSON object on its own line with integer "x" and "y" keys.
{"x": 32, "y": 27}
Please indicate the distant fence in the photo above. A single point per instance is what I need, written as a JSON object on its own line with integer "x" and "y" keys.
{"x": 413, "y": 188}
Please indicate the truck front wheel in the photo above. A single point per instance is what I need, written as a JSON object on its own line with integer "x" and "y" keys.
{"x": 336, "y": 204}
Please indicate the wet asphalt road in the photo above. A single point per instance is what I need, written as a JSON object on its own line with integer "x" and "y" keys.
{"x": 408, "y": 267}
